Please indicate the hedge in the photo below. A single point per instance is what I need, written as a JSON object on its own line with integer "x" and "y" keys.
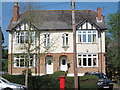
{"x": 52, "y": 81}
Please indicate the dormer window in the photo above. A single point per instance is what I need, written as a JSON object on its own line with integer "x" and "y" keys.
{"x": 87, "y": 36}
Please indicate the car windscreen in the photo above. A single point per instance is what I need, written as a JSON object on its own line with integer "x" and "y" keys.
{"x": 4, "y": 80}
{"x": 101, "y": 76}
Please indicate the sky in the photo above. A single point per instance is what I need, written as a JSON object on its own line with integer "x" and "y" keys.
{"x": 7, "y": 10}
{"x": 60, "y": 0}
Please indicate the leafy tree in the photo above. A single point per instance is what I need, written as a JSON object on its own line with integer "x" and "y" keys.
{"x": 4, "y": 59}
{"x": 28, "y": 47}
{"x": 113, "y": 44}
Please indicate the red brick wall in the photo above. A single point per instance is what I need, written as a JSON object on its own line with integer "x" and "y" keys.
{"x": 41, "y": 67}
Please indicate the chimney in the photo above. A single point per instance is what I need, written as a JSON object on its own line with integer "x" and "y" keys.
{"x": 16, "y": 12}
{"x": 99, "y": 12}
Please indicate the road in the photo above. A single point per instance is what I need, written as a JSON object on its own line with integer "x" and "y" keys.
{"x": 116, "y": 87}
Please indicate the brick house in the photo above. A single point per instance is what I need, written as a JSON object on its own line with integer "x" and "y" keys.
{"x": 56, "y": 27}
{"x": 1, "y": 42}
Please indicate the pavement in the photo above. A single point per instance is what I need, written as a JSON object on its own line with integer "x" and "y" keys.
{"x": 116, "y": 87}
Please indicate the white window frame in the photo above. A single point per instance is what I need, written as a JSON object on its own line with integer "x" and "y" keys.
{"x": 65, "y": 39}
{"x": 23, "y": 34}
{"x": 47, "y": 40}
{"x": 20, "y": 57}
{"x": 87, "y": 56}
{"x": 80, "y": 34}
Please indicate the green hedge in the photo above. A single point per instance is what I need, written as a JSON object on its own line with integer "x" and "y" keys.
{"x": 52, "y": 81}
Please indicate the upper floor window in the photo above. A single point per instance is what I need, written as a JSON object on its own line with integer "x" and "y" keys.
{"x": 87, "y": 36}
{"x": 21, "y": 60}
{"x": 46, "y": 39}
{"x": 24, "y": 37}
{"x": 65, "y": 39}
{"x": 87, "y": 60}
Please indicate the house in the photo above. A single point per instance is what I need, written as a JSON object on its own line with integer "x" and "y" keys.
{"x": 1, "y": 42}
{"x": 54, "y": 31}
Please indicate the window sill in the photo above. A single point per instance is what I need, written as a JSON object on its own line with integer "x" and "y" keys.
{"x": 46, "y": 46}
{"x": 86, "y": 43}
{"x": 65, "y": 46}
{"x": 23, "y": 67}
{"x": 23, "y": 43}
{"x": 87, "y": 66}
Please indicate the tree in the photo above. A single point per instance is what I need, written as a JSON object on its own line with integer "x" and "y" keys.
{"x": 33, "y": 36}
{"x": 113, "y": 43}
{"x": 4, "y": 59}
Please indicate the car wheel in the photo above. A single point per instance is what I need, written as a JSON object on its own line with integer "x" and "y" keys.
{"x": 8, "y": 89}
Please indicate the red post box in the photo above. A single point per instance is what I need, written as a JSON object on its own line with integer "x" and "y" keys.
{"x": 62, "y": 82}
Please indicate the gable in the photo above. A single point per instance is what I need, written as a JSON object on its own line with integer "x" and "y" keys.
{"x": 23, "y": 25}
{"x": 87, "y": 25}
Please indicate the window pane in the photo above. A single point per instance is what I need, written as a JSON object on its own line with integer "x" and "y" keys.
{"x": 17, "y": 62}
{"x": 84, "y": 38}
{"x": 31, "y": 62}
{"x": 89, "y": 38}
{"x": 84, "y": 62}
{"x": 94, "y": 37}
{"x": 84, "y": 55}
{"x": 94, "y": 62}
{"x": 63, "y": 40}
{"x": 79, "y": 38}
{"x": 79, "y": 61}
{"x": 49, "y": 62}
{"x": 84, "y": 31}
{"x": 45, "y": 40}
{"x": 63, "y": 62}
{"x": 89, "y": 31}
{"x": 48, "y": 42}
{"x": 79, "y": 55}
{"x": 89, "y": 55}
{"x": 21, "y": 62}
{"x": 89, "y": 62}
{"x": 66, "y": 41}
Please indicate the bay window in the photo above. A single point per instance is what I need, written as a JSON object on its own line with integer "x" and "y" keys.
{"x": 87, "y": 60}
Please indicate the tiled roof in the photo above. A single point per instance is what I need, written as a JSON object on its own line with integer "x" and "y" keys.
{"x": 56, "y": 19}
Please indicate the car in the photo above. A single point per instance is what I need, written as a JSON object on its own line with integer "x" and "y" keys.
{"x": 6, "y": 85}
{"x": 103, "y": 81}
{"x": 3, "y": 72}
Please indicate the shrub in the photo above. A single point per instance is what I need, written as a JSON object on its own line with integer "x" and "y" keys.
{"x": 52, "y": 81}
{"x": 29, "y": 72}
{"x": 85, "y": 82}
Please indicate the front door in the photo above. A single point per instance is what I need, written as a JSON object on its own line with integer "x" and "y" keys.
{"x": 49, "y": 65}
{"x": 63, "y": 63}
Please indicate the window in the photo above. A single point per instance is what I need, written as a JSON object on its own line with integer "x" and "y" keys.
{"x": 20, "y": 61}
{"x": 65, "y": 39}
{"x": 24, "y": 37}
{"x": 46, "y": 40}
{"x": 63, "y": 61}
{"x": 87, "y": 36}
{"x": 87, "y": 60}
